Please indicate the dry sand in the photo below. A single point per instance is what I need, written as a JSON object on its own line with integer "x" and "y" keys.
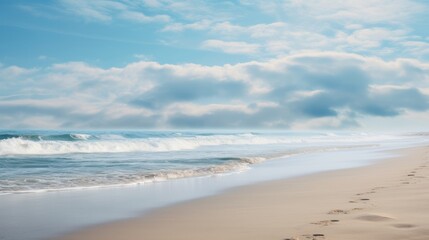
{"x": 388, "y": 200}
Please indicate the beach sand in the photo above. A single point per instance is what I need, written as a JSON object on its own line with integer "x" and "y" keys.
{"x": 387, "y": 200}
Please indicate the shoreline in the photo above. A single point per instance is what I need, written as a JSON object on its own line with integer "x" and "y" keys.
{"x": 358, "y": 203}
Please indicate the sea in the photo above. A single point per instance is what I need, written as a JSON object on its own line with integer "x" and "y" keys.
{"x": 40, "y": 160}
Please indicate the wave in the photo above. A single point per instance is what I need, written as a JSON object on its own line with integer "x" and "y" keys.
{"x": 21, "y": 146}
{"x": 56, "y": 137}
{"x": 80, "y": 136}
{"x": 56, "y": 184}
{"x": 106, "y": 136}
{"x": 108, "y": 143}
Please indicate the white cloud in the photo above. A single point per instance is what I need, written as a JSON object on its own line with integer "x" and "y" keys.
{"x": 152, "y": 3}
{"x": 373, "y": 27}
{"x": 230, "y": 47}
{"x": 353, "y": 26}
{"x": 345, "y": 11}
{"x": 280, "y": 38}
{"x": 141, "y": 17}
{"x": 306, "y": 90}
{"x": 15, "y": 71}
{"x": 364, "y": 11}
{"x": 98, "y": 10}
{"x": 143, "y": 57}
{"x": 190, "y": 10}
{"x": 374, "y": 37}
{"x": 192, "y": 109}
{"x": 417, "y": 48}
{"x": 107, "y": 10}
{"x": 266, "y": 30}
{"x": 179, "y": 27}
{"x": 226, "y": 28}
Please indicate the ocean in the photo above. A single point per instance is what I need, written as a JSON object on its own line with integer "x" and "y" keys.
{"x": 40, "y": 161}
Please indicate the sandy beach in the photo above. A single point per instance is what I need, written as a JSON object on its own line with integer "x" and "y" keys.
{"x": 387, "y": 200}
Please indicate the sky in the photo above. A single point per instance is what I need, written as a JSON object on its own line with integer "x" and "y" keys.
{"x": 165, "y": 64}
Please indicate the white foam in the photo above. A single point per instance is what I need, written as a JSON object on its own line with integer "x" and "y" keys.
{"x": 18, "y": 146}
{"x": 57, "y": 184}
{"x": 111, "y": 137}
{"x": 80, "y": 136}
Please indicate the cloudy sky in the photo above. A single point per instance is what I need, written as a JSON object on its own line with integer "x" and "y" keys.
{"x": 289, "y": 64}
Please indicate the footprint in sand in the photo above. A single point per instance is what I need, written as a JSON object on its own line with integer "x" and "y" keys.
{"x": 360, "y": 194}
{"x": 314, "y": 236}
{"x": 364, "y": 199}
{"x": 338, "y": 211}
{"x": 361, "y": 200}
{"x": 403, "y": 225}
{"x": 374, "y": 218}
{"x": 318, "y": 236}
{"x": 342, "y": 211}
{"x": 325, "y": 222}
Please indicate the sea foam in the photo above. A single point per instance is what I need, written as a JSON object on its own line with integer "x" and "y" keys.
{"x": 86, "y": 143}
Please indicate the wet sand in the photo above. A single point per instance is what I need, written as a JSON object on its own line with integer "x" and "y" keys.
{"x": 387, "y": 200}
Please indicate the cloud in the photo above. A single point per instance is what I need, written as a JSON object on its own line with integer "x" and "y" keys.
{"x": 306, "y": 90}
{"x": 107, "y": 10}
{"x": 280, "y": 38}
{"x": 143, "y": 57}
{"x": 194, "y": 10}
{"x": 348, "y": 11}
{"x": 374, "y": 27}
{"x": 370, "y": 11}
{"x": 141, "y": 17}
{"x": 184, "y": 91}
{"x": 13, "y": 72}
{"x": 391, "y": 102}
{"x": 179, "y": 27}
{"x": 416, "y": 48}
{"x": 98, "y": 10}
{"x": 374, "y": 37}
{"x": 265, "y": 30}
{"x": 230, "y": 47}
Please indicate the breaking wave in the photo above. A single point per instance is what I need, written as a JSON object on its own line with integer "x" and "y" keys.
{"x": 20, "y": 145}
{"x": 55, "y": 137}
{"x": 110, "y": 143}
{"x": 117, "y": 179}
